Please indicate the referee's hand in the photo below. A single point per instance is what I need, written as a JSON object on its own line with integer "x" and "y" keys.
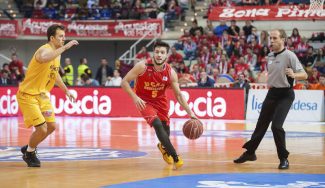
{"x": 289, "y": 72}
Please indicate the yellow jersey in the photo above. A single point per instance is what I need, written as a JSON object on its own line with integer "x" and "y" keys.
{"x": 40, "y": 77}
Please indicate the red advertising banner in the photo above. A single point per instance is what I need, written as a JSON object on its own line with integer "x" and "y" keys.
{"x": 114, "y": 102}
{"x": 279, "y": 13}
{"x": 8, "y": 28}
{"x": 100, "y": 29}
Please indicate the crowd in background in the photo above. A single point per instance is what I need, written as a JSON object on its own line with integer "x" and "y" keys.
{"x": 102, "y": 9}
{"x": 128, "y": 9}
{"x": 203, "y": 56}
{"x": 240, "y": 53}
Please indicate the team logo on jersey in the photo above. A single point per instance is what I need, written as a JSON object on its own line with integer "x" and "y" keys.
{"x": 67, "y": 154}
{"x": 280, "y": 180}
{"x": 165, "y": 78}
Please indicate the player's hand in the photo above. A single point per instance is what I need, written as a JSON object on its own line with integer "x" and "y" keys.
{"x": 289, "y": 72}
{"x": 70, "y": 44}
{"x": 70, "y": 96}
{"x": 139, "y": 103}
{"x": 193, "y": 116}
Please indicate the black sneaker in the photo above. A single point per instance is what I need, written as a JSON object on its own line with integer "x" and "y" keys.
{"x": 31, "y": 159}
{"x": 23, "y": 149}
{"x": 245, "y": 157}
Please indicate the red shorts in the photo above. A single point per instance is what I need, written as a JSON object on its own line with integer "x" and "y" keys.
{"x": 150, "y": 113}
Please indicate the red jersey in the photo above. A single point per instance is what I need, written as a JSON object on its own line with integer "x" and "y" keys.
{"x": 151, "y": 85}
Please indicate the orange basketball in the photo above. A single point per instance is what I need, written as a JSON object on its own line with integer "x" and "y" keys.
{"x": 193, "y": 129}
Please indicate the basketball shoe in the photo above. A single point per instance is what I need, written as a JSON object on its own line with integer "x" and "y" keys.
{"x": 167, "y": 158}
{"x": 24, "y": 149}
{"x": 179, "y": 163}
{"x": 30, "y": 157}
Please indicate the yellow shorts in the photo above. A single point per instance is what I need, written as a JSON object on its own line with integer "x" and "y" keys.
{"x": 36, "y": 109}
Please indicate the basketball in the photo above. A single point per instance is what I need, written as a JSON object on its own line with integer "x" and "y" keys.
{"x": 193, "y": 129}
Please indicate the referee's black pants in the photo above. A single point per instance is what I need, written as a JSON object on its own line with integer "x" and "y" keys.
{"x": 274, "y": 108}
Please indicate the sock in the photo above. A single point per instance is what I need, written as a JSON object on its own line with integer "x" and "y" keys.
{"x": 30, "y": 149}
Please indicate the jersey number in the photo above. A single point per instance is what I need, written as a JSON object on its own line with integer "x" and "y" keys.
{"x": 154, "y": 94}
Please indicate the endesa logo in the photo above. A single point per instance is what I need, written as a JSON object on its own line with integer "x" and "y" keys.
{"x": 202, "y": 106}
{"x": 297, "y": 105}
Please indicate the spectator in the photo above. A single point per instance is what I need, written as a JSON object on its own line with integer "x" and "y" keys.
{"x": 5, "y": 79}
{"x": 218, "y": 30}
{"x": 83, "y": 68}
{"x": 68, "y": 72}
{"x": 115, "y": 80}
{"x": 106, "y": 13}
{"x": 137, "y": 11}
{"x": 183, "y": 69}
{"x": 85, "y": 80}
{"x": 94, "y": 12}
{"x": 295, "y": 37}
{"x": 233, "y": 30}
{"x": 175, "y": 57}
{"x": 320, "y": 85}
{"x": 309, "y": 59}
{"x": 50, "y": 12}
{"x": 90, "y": 3}
{"x": 215, "y": 74}
{"x": 241, "y": 66}
{"x": 16, "y": 64}
{"x": 320, "y": 61}
{"x": 211, "y": 66}
{"x": 124, "y": 68}
{"x": 195, "y": 72}
{"x": 290, "y": 45}
{"x": 209, "y": 27}
{"x": 143, "y": 54}
{"x": 262, "y": 59}
{"x": 224, "y": 65}
{"x": 314, "y": 77}
{"x": 189, "y": 48}
{"x": 251, "y": 59}
{"x": 195, "y": 27}
{"x": 152, "y": 9}
{"x": 242, "y": 82}
{"x": 255, "y": 46}
{"x": 248, "y": 28}
{"x": 301, "y": 49}
{"x": 205, "y": 80}
{"x": 264, "y": 38}
{"x": 39, "y": 4}
{"x": 253, "y": 35}
{"x": 104, "y": 72}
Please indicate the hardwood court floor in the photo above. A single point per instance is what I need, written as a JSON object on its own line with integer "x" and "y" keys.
{"x": 67, "y": 166}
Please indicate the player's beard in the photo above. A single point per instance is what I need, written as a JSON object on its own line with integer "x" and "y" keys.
{"x": 162, "y": 62}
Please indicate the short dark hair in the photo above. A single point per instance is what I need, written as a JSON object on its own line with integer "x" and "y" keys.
{"x": 5, "y": 64}
{"x": 51, "y": 31}
{"x": 283, "y": 34}
{"x": 161, "y": 44}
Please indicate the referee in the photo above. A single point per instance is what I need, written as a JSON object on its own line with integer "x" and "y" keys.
{"x": 283, "y": 68}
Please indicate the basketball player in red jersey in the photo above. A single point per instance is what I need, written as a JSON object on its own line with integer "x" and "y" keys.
{"x": 152, "y": 77}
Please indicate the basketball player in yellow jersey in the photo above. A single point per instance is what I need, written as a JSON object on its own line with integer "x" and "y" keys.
{"x": 42, "y": 74}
